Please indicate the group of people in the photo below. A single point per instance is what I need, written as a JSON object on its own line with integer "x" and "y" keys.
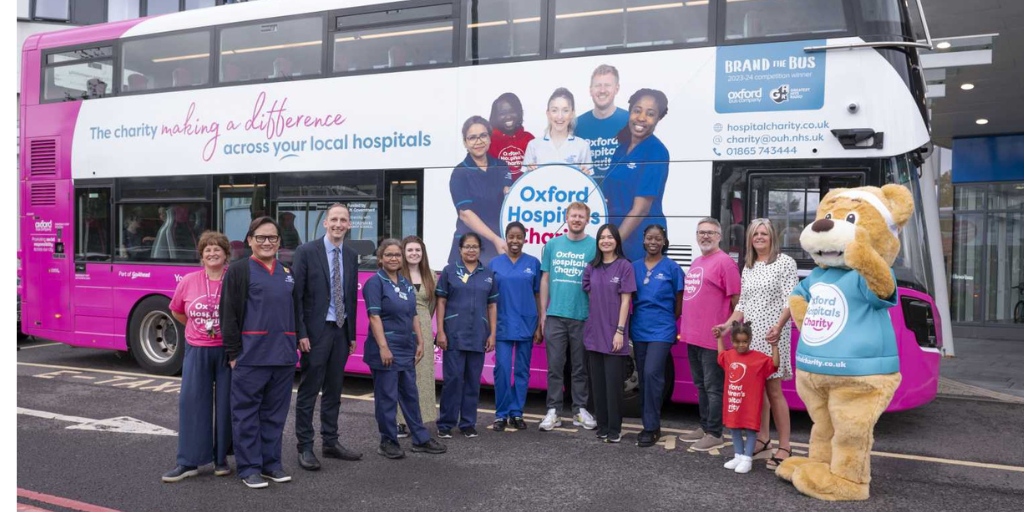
{"x": 246, "y": 323}
{"x": 615, "y": 145}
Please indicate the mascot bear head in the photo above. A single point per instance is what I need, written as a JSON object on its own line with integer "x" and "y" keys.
{"x": 870, "y": 215}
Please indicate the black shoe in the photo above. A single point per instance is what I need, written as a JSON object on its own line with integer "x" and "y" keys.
{"x": 500, "y": 424}
{"x": 431, "y": 446}
{"x": 444, "y": 433}
{"x": 390, "y": 449}
{"x": 308, "y": 461}
{"x": 179, "y": 473}
{"x": 469, "y": 432}
{"x": 221, "y": 469}
{"x": 255, "y": 481}
{"x": 646, "y": 439}
{"x": 337, "y": 451}
{"x": 613, "y": 438}
{"x": 602, "y": 435}
{"x": 277, "y": 475}
{"x": 403, "y": 431}
{"x": 518, "y": 423}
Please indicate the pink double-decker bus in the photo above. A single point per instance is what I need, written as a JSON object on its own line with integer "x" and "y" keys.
{"x": 139, "y": 135}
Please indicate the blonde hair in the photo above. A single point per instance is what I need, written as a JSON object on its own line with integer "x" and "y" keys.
{"x": 773, "y": 248}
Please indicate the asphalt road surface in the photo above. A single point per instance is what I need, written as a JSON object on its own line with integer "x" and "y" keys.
{"x": 952, "y": 454}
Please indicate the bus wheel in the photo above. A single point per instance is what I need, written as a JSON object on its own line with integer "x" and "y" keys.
{"x": 157, "y": 339}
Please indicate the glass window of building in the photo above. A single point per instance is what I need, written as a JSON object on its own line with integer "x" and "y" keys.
{"x": 501, "y": 29}
{"x": 154, "y": 7}
{"x": 783, "y": 18}
{"x": 166, "y": 62}
{"x": 599, "y": 25}
{"x": 421, "y": 36}
{"x": 199, "y": 4}
{"x": 118, "y": 10}
{"x": 78, "y": 74}
{"x": 59, "y": 10}
{"x": 271, "y": 50}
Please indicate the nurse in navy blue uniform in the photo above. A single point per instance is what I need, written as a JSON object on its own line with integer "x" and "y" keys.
{"x": 467, "y": 296}
{"x": 393, "y": 347}
{"x": 657, "y": 304}
{"x": 635, "y": 182}
{"x": 258, "y": 325}
{"x": 518, "y": 277}
{"x": 478, "y": 186}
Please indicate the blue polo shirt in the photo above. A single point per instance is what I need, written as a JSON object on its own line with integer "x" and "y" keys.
{"x": 603, "y": 137}
{"x": 467, "y": 296}
{"x": 847, "y": 329}
{"x": 518, "y": 283}
{"x": 481, "y": 192}
{"x": 395, "y": 304}
{"x": 268, "y": 330}
{"x": 654, "y": 303}
{"x": 642, "y": 173}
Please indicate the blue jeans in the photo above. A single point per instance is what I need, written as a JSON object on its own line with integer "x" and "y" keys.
{"x": 743, "y": 441}
{"x": 509, "y": 390}
{"x": 709, "y": 378}
{"x": 651, "y": 357}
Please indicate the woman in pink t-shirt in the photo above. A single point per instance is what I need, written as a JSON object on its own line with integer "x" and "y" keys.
{"x": 204, "y": 405}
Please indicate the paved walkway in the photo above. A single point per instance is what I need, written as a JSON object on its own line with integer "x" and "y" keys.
{"x": 985, "y": 368}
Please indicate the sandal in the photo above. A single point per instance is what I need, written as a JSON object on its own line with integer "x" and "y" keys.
{"x": 774, "y": 462}
{"x": 764, "y": 452}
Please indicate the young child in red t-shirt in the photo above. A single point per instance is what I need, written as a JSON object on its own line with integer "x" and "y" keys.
{"x": 746, "y": 372}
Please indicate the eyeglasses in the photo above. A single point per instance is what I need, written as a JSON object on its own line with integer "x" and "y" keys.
{"x": 647, "y": 279}
{"x": 471, "y": 247}
{"x": 473, "y": 139}
{"x": 392, "y": 255}
{"x": 262, "y": 239}
{"x": 708, "y": 233}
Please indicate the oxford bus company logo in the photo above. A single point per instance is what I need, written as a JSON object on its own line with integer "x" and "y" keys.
{"x": 746, "y": 96}
{"x": 780, "y": 95}
{"x": 44, "y": 225}
{"x": 827, "y": 312}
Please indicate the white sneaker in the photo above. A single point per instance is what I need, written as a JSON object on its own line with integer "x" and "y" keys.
{"x": 550, "y": 421}
{"x": 746, "y": 463}
{"x": 734, "y": 462}
{"x": 584, "y": 419}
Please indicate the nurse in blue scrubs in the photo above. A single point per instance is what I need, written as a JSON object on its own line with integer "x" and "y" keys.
{"x": 635, "y": 182}
{"x": 519, "y": 308}
{"x": 657, "y": 303}
{"x": 478, "y": 186}
{"x": 393, "y": 347}
{"x": 467, "y": 296}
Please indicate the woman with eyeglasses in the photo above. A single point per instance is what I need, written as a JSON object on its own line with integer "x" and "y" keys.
{"x": 478, "y": 186}
{"x": 467, "y": 312}
{"x": 258, "y": 327}
{"x": 768, "y": 279}
{"x": 393, "y": 347}
{"x": 657, "y": 304}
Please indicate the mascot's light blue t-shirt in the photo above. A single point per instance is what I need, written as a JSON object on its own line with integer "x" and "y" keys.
{"x": 847, "y": 329}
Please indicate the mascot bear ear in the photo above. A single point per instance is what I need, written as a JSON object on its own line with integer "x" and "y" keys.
{"x": 901, "y": 203}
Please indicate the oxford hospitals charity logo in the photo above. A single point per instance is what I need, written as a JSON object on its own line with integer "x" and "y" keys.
{"x": 692, "y": 282}
{"x": 539, "y": 199}
{"x": 827, "y": 312}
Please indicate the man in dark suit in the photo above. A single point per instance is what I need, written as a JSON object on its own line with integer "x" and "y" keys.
{"x": 325, "y": 312}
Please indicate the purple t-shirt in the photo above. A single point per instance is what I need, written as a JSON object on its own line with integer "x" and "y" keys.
{"x": 707, "y": 289}
{"x": 606, "y": 284}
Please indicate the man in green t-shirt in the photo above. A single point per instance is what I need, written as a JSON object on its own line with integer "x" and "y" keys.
{"x": 561, "y": 292}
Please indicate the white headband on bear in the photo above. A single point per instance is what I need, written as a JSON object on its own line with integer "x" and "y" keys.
{"x": 877, "y": 203}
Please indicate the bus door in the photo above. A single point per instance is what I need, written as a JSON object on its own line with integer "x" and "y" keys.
{"x": 93, "y": 260}
{"x": 239, "y": 200}
{"x": 47, "y": 228}
{"x": 404, "y": 203}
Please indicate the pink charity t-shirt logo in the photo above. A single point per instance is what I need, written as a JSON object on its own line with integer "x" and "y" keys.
{"x": 692, "y": 283}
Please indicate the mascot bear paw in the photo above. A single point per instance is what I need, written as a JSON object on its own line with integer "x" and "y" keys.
{"x": 847, "y": 358}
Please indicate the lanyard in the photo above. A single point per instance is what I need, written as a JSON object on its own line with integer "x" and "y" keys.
{"x": 211, "y": 331}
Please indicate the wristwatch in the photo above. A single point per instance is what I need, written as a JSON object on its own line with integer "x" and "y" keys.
{"x": 621, "y": 329}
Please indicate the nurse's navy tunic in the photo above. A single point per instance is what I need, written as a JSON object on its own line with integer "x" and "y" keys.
{"x": 481, "y": 192}
{"x": 268, "y": 328}
{"x": 467, "y": 295}
{"x": 395, "y": 304}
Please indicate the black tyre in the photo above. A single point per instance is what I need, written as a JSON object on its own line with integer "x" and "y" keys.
{"x": 157, "y": 340}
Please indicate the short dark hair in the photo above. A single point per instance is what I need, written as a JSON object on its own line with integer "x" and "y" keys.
{"x": 475, "y": 120}
{"x": 259, "y": 221}
{"x": 664, "y": 234}
{"x": 599, "y": 258}
{"x": 659, "y": 98}
{"x": 515, "y": 224}
{"x": 468, "y": 235}
{"x": 741, "y": 328}
{"x": 384, "y": 244}
{"x": 509, "y": 98}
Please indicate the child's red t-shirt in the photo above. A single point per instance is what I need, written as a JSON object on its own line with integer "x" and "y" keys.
{"x": 745, "y": 375}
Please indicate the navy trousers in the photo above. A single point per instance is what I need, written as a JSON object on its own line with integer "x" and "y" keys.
{"x": 393, "y": 387}
{"x": 260, "y": 398}
{"x": 651, "y": 358}
{"x": 204, "y": 407}
{"x": 460, "y": 395}
{"x": 323, "y": 369}
{"x": 509, "y": 394}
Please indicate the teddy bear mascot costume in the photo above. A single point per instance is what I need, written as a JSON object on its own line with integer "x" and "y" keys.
{"x": 847, "y": 360}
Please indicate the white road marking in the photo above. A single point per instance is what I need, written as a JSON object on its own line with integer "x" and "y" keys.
{"x": 120, "y": 424}
{"x": 39, "y": 346}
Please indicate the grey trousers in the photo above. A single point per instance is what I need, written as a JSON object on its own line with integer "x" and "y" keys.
{"x": 559, "y": 334}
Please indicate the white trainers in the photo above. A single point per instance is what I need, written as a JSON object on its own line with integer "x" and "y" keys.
{"x": 735, "y": 461}
{"x": 745, "y": 464}
{"x": 584, "y": 419}
{"x": 550, "y": 421}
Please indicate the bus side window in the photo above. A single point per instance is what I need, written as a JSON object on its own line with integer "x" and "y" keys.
{"x": 271, "y": 50}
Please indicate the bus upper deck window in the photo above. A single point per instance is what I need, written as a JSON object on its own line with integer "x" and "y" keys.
{"x": 166, "y": 62}
{"x": 78, "y": 74}
{"x": 271, "y": 50}
{"x": 601, "y": 25}
{"x": 501, "y": 29}
{"x": 783, "y": 18}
